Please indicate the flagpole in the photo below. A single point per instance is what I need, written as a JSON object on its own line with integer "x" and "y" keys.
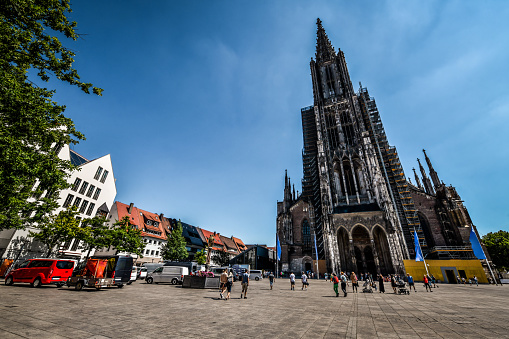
{"x": 419, "y": 251}
{"x": 317, "y": 267}
{"x": 476, "y": 246}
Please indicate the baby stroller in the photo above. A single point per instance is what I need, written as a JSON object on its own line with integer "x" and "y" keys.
{"x": 401, "y": 287}
{"x": 366, "y": 287}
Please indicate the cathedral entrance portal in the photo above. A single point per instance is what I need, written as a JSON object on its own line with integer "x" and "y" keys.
{"x": 383, "y": 251}
{"x": 363, "y": 252}
{"x": 345, "y": 257}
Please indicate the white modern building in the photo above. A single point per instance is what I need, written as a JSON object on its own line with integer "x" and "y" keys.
{"x": 92, "y": 191}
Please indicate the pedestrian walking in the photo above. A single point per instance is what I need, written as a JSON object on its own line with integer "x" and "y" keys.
{"x": 305, "y": 283}
{"x": 271, "y": 279}
{"x": 476, "y": 281}
{"x": 433, "y": 281}
{"x": 355, "y": 282}
{"x": 245, "y": 284}
{"x": 292, "y": 281}
{"x": 344, "y": 281}
{"x": 335, "y": 281}
{"x": 229, "y": 285}
{"x": 426, "y": 284}
{"x": 410, "y": 281}
{"x": 325, "y": 275}
{"x": 223, "y": 279}
{"x": 393, "y": 283}
{"x": 381, "y": 283}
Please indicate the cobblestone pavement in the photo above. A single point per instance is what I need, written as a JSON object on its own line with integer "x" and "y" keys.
{"x": 159, "y": 311}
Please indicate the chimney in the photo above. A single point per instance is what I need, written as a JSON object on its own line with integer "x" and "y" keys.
{"x": 161, "y": 216}
{"x": 130, "y": 209}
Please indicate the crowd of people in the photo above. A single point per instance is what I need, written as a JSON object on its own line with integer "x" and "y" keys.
{"x": 342, "y": 280}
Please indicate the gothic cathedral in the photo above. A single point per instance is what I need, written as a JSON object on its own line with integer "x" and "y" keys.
{"x": 357, "y": 210}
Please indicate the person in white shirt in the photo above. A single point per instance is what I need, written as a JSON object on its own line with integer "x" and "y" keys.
{"x": 292, "y": 281}
{"x": 304, "y": 281}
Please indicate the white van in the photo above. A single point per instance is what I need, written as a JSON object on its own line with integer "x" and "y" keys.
{"x": 255, "y": 274}
{"x": 167, "y": 274}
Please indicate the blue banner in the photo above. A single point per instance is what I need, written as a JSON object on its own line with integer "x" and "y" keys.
{"x": 278, "y": 249}
{"x": 418, "y": 251}
{"x": 316, "y": 248}
{"x": 476, "y": 246}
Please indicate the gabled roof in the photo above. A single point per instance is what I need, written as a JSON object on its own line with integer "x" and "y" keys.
{"x": 240, "y": 244}
{"x": 229, "y": 243}
{"x": 218, "y": 244}
{"x": 136, "y": 218}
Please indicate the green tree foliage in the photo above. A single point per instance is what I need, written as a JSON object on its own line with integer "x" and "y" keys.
{"x": 58, "y": 229}
{"x": 95, "y": 234}
{"x": 127, "y": 237}
{"x": 221, "y": 258}
{"x": 32, "y": 125}
{"x": 497, "y": 245}
{"x": 175, "y": 247}
{"x": 201, "y": 257}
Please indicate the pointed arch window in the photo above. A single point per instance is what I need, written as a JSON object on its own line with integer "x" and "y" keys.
{"x": 306, "y": 235}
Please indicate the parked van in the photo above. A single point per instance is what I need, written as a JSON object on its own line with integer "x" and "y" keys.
{"x": 134, "y": 275}
{"x": 39, "y": 272}
{"x": 151, "y": 267}
{"x": 167, "y": 274}
{"x": 255, "y": 274}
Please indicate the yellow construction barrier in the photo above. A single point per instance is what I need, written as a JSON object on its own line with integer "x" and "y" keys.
{"x": 447, "y": 270}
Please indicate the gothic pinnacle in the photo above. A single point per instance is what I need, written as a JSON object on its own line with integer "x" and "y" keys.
{"x": 324, "y": 49}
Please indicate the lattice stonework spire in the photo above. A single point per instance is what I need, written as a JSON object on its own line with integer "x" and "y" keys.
{"x": 425, "y": 180}
{"x": 417, "y": 179}
{"x": 324, "y": 49}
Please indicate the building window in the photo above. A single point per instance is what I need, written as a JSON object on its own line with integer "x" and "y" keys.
{"x": 76, "y": 184}
{"x": 68, "y": 200}
{"x": 103, "y": 178}
{"x": 75, "y": 245}
{"x": 98, "y": 173}
{"x": 306, "y": 235}
{"x": 77, "y": 202}
{"x": 157, "y": 253}
{"x": 90, "y": 209}
{"x": 97, "y": 192}
{"x": 152, "y": 252}
{"x": 83, "y": 187}
{"x": 83, "y": 206}
{"x": 90, "y": 190}
{"x": 147, "y": 252}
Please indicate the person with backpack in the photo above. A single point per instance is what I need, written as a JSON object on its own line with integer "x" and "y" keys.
{"x": 344, "y": 280}
{"x": 335, "y": 280}
{"x": 426, "y": 283}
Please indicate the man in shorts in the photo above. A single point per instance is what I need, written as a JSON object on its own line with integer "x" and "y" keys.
{"x": 410, "y": 281}
{"x": 271, "y": 279}
{"x": 305, "y": 283}
{"x": 245, "y": 284}
{"x": 223, "y": 280}
{"x": 292, "y": 281}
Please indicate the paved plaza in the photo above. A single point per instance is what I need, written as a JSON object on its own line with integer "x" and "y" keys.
{"x": 160, "y": 311}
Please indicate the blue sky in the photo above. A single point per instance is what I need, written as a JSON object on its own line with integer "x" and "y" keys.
{"x": 201, "y": 103}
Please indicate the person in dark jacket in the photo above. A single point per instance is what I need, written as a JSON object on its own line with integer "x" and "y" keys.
{"x": 381, "y": 283}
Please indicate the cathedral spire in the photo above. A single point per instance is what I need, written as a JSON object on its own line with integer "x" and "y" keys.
{"x": 417, "y": 178}
{"x": 433, "y": 174}
{"x": 425, "y": 180}
{"x": 324, "y": 49}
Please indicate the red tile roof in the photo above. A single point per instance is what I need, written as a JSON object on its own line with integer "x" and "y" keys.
{"x": 136, "y": 218}
{"x": 239, "y": 244}
{"x": 219, "y": 245}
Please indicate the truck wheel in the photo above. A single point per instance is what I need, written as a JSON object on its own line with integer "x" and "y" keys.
{"x": 120, "y": 286}
{"x": 36, "y": 283}
{"x": 257, "y": 278}
{"x": 9, "y": 281}
{"x": 150, "y": 280}
{"x": 60, "y": 285}
{"x": 79, "y": 286}
{"x": 174, "y": 281}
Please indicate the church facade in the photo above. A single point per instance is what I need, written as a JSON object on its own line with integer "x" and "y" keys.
{"x": 357, "y": 210}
